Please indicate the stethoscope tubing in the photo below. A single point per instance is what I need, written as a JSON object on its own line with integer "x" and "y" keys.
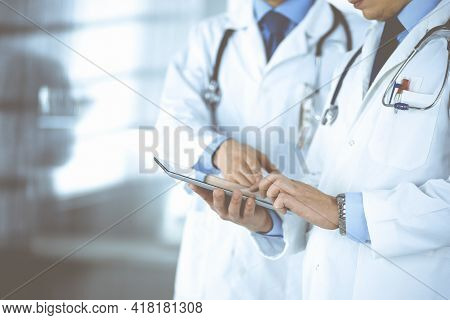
{"x": 212, "y": 94}
{"x": 334, "y": 106}
{"x": 400, "y": 70}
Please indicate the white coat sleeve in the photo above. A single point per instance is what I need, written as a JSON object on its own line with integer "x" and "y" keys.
{"x": 183, "y": 127}
{"x": 292, "y": 241}
{"x": 409, "y": 219}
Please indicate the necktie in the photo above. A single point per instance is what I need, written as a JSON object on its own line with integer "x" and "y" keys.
{"x": 387, "y": 45}
{"x": 274, "y": 27}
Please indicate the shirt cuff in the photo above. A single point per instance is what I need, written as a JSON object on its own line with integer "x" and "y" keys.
{"x": 356, "y": 224}
{"x": 205, "y": 162}
{"x": 277, "y": 226}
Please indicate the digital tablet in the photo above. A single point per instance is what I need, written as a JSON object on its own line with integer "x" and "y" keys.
{"x": 212, "y": 182}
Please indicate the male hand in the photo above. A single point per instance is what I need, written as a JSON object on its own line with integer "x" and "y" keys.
{"x": 248, "y": 214}
{"x": 309, "y": 203}
{"x": 241, "y": 163}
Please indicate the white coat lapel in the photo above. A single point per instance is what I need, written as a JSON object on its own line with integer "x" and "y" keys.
{"x": 366, "y": 62}
{"x": 253, "y": 51}
{"x": 368, "y": 54}
{"x": 248, "y": 39}
{"x": 363, "y": 67}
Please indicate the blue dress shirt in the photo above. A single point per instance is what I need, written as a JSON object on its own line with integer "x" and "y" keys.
{"x": 411, "y": 15}
{"x": 205, "y": 162}
{"x": 294, "y": 10}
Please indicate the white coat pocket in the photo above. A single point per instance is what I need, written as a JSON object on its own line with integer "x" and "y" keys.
{"x": 402, "y": 140}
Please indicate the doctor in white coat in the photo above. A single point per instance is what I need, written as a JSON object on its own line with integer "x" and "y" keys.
{"x": 276, "y": 56}
{"x": 381, "y": 213}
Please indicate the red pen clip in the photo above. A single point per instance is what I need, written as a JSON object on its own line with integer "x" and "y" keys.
{"x": 404, "y": 86}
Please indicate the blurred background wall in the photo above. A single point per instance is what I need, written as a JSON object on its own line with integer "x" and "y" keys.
{"x": 76, "y": 81}
{"x": 69, "y": 164}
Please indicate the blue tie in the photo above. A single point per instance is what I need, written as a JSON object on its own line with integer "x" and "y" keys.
{"x": 274, "y": 27}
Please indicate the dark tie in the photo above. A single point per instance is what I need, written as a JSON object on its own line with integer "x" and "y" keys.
{"x": 274, "y": 27}
{"x": 387, "y": 45}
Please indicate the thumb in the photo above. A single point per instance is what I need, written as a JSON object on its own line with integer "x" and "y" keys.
{"x": 285, "y": 202}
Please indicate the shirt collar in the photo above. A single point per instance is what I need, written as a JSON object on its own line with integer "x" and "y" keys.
{"x": 294, "y": 10}
{"x": 414, "y": 11}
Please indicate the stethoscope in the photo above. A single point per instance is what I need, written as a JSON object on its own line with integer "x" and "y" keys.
{"x": 394, "y": 89}
{"x": 212, "y": 94}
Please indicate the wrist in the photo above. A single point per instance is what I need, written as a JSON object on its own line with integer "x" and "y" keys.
{"x": 218, "y": 153}
{"x": 267, "y": 224}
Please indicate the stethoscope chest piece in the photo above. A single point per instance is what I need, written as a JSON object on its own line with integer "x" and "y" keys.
{"x": 330, "y": 115}
{"x": 211, "y": 94}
